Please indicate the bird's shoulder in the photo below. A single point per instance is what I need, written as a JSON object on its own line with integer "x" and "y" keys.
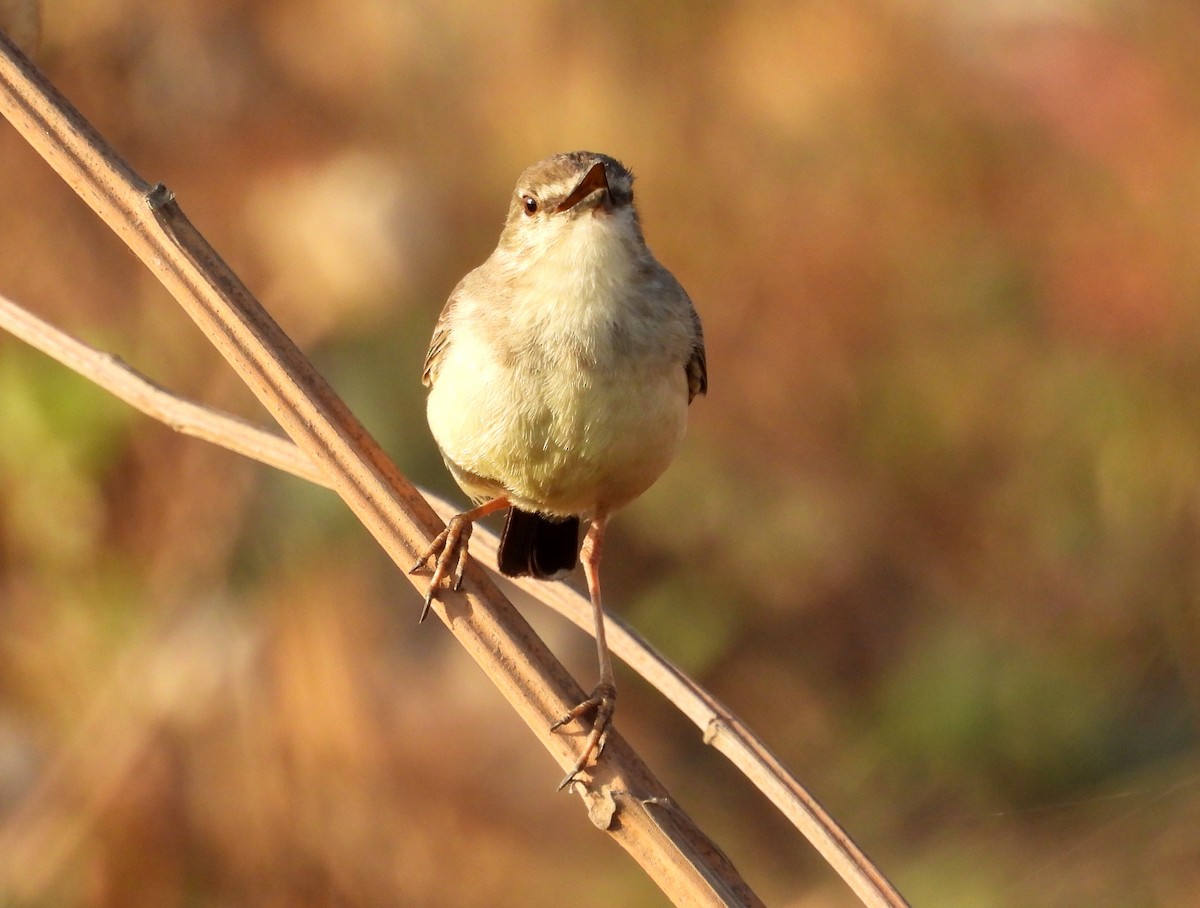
{"x": 475, "y": 292}
{"x": 690, "y": 333}
{"x": 697, "y": 364}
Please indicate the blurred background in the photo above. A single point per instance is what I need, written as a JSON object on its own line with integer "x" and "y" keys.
{"x": 933, "y": 534}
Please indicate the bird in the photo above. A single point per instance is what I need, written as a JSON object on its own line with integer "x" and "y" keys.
{"x": 560, "y": 375}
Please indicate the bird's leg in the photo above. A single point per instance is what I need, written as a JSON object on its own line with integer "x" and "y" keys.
{"x": 449, "y": 549}
{"x": 603, "y": 700}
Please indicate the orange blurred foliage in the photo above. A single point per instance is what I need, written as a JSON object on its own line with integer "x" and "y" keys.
{"x": 934, "y": 532}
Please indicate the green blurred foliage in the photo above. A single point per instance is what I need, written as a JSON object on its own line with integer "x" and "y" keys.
{"x": 934, "y": 532}
{"x": 61, "y": 436}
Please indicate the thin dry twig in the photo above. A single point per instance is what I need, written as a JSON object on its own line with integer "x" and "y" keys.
{"x": 143, "y": 394}
{"x": 722, "y": 729}
{"x": 623, "y": 795}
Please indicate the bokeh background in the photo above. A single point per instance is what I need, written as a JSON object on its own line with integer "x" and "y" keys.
{"x": 934, "y": 533}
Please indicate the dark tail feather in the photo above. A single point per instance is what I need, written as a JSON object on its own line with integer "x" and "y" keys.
{"x": 537, "y": 546}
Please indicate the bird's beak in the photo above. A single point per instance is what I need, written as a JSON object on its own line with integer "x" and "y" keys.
{"x": 596, "y": 179}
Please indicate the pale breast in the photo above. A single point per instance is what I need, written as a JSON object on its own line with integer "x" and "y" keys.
{"x": 561, "y": 438}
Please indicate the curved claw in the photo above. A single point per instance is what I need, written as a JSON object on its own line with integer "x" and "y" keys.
{"x": 450, "y": 546}
{"x": 602, "y": 702}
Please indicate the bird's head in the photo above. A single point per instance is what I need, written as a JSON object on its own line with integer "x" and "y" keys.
{"x": 573, "y": 195}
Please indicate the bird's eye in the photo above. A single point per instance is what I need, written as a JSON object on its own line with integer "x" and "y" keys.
{"x": 530, "y": 203}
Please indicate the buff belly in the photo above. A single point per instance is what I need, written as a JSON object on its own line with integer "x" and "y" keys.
{"x": 559, "y": 442}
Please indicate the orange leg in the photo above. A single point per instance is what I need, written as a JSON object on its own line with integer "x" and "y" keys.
{"x": 450, "y": 548}
{"x": 603, "y": 700}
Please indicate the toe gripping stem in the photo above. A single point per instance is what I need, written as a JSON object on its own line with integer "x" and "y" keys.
{"x": 603, "y": 703}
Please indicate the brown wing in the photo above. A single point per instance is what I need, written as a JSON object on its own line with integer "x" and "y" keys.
{"x": 468, "y": 288}
{"x": 437, "y": 346}
{"x": 441, "y": 337}
{"x": 697, "y": 365}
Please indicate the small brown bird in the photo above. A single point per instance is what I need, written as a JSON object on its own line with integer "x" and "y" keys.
{"x": 560, "y": 374}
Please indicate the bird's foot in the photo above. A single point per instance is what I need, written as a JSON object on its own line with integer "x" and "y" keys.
{"x": 449, "y": 553}
{"x": 603, "y": 703}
